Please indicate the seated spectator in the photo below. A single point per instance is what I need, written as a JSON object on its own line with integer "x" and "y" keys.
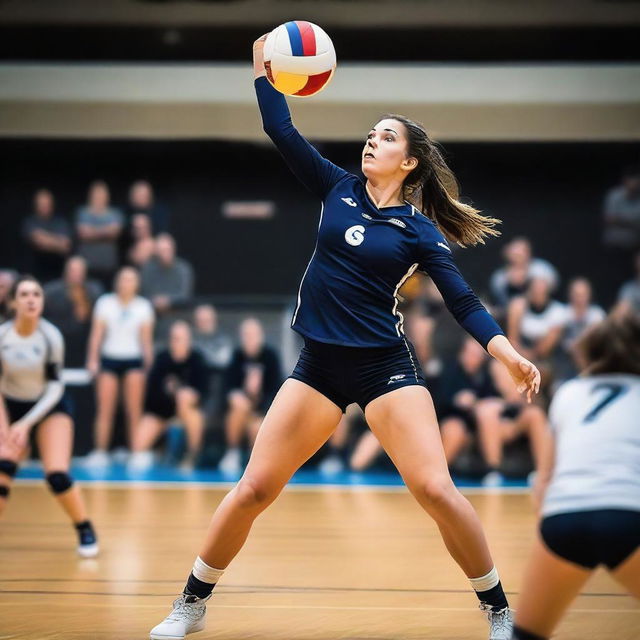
{"x": 7, "y": 278}
{"x": 629, "y": 294}
{"x": 177, "y": 386}
{"x": 580, "y": 314}
{"x": 251, "y": 382}
{"x": 141, "y": 252}
{"x": 513, "y": 279}
{"x": 48, "y": 238}
{"x": 120, "y": 351}
{"x": 622, "y": 213}
{"x": 98, "y": 227}
{"x": 166, "y": 279}
{"x": 142, "y": 200}
{"x": 478, "y": 400}
{"x": 535, "y": 321}
{"x": 69, "y": 304}
{"x": 216, "y": 346}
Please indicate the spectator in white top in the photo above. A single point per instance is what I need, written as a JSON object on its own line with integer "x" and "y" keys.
{"x": 513, "y": 279}
{"x": 622, "y": 212}
{"x": 120, "y": 349}
{"x": 166, "y": 279}
{"x": 98, "y": 227}
{"x": 580, "y": 314}
{"x": 629, "y": 295}
{"x": 535, "y": 321}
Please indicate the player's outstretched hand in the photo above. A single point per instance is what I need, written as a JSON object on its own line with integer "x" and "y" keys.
{"x": 526, "y": 376}
{"x": 258, "y": 57}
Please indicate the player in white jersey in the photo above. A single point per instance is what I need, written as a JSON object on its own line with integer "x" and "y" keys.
{"x": 33, "y": 402}
{"x": 589, "y": 481}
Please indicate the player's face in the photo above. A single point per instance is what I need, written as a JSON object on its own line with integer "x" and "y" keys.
{"x": 385, "y": 150}
{"x": 29, "y": 300}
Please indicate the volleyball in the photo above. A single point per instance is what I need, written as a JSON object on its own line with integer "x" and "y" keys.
{"x": 299, "y": 58}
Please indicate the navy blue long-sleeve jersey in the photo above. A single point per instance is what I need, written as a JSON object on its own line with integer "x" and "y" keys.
{"x": 349, "y": 291}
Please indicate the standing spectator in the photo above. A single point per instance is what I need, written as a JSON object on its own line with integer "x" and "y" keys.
{"x": 142, "y": 200}
{"x": 120, "y": 349}
{"x": 580, "y": 314}
{"x": 69, "y": 304}
{"x": 166, "y": 279}
{"x": 178, "y": 386}
{"x": 216, "y": 346}
{"x": 514, "y": 278}
{"x": 251, "y": 382}
{"x": 48, "y": 238}
{"x": 622, "y": 213}
{"x": 629, "y": 294}
{"x": 7, "y": 278}
{"x": 534, "y": 322}
{"x": 98, "y": 227}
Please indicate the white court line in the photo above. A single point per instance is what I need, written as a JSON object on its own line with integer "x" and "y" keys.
{"x": 146, "y": 484}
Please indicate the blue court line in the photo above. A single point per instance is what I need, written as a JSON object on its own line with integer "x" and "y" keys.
{"x": 118, "y": 473}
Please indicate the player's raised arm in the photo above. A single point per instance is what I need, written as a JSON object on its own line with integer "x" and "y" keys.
{"x": 317, "y": 173}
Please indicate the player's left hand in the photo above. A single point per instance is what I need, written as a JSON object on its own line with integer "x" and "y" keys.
{"x": 18, "y": 435}
{"x": 526, "y": 376}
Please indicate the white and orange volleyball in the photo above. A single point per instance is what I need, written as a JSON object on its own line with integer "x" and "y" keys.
{"x": 299, "y": 58}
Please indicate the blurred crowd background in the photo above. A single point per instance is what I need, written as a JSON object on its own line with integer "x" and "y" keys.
{"x": 214, "y": 233}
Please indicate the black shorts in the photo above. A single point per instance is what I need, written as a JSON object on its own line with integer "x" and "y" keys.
{"x": 592, "y": 538}
{"x": 357, "y": 374}
{"x": 121, "y": 367}
{"x": 162, "y": 404}
{"x": 509, "y": 412}
{"x": 17, "y": 409}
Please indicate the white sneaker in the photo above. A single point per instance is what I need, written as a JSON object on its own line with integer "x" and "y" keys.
{"x": 140, "y": 461}
{"x": 188, "y": 616}
{"x": 231, "y": 461}
{"x": 500, "y": 622}
{"x": 331, "y": 464}
{"x": 492, "y": 479}
{"x": 97, "y": 459}
{"x": 120, "y": 455}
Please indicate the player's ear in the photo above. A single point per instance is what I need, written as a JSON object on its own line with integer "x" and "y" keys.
{"x": 410, "y": 163}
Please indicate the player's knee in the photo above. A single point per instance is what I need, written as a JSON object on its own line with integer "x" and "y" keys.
{"x": 59, "y": 482}
{"x": 8, "y": 467}
{"x": 435, "y": 492}
{"x": 253, "y": 493}
{"x": 185, "y": 399}
{"x": 238, "y": 401}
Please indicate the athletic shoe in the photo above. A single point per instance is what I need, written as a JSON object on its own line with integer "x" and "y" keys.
{"x": 231, "y": 461}
{"x": 500, "y": 622}
{"x": 140, "y": 461}
{"x": 188, "y": 616}
{"x": 492, "y": 479}
{"x": 88, "y": 547}
{"x": 97, "y": 459}
{"x": 331, "y": 465}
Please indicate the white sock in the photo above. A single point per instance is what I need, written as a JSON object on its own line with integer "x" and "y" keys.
{"x": 205, "y": 573}
{"x": 484, "y": 583}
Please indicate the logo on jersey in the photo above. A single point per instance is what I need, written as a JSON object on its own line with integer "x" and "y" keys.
{"x": 350, "y": 201}
{"x": 397, "y": 222}
{"x": 444, "y": 246}
{"x": 367, "y": 216}
{"x": 393, "y": 379}
{"x": 354, "y": 235}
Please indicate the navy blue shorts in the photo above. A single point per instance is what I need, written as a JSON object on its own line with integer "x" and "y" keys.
{"x": 16, "y": 409}
{"x": 121, "y": 367}
{"x": 357, "y": 374}
{"x": 592, "y": 538}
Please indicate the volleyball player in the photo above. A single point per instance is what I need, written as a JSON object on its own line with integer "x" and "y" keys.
{"x": 32, "y": 401}
{"x": 590, "y": 481}
{"x": 370, "y": 241}
{"x": 120, "y": 350}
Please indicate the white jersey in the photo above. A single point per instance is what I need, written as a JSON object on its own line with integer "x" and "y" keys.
{"x": 596, "y": 423}
{"x": 123, "y": 325}
{"x": 29, "y": 363}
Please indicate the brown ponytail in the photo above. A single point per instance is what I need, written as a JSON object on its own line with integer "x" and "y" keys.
{"x": 433, "y": 189}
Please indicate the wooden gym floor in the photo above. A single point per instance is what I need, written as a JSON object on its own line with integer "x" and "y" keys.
{"x": 322, "y": 564}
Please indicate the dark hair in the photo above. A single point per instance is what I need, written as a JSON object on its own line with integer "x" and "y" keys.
{"x": 611, "y": 346}
{"x": 433, "y": 189}
{"x": 13, "y": 292}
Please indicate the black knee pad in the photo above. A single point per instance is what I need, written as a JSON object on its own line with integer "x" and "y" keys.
{"x": 4, "y": 491}
{"x": 59, "y": 481}
{"x": 8, "y": 467}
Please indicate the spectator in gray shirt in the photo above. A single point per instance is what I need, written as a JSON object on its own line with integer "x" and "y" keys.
{"x": 622, "y": 212}
{"x": 98, "y": 227}
{"x": 629, "y": 295}
{"x": 48, "y": 238}
{"x": 166, "y": 279}
{"x": 215, "y": 345}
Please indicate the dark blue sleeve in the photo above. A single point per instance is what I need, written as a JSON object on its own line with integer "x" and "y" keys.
{"x": 434, "y": 258}
{"x": 315, "y": 172}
